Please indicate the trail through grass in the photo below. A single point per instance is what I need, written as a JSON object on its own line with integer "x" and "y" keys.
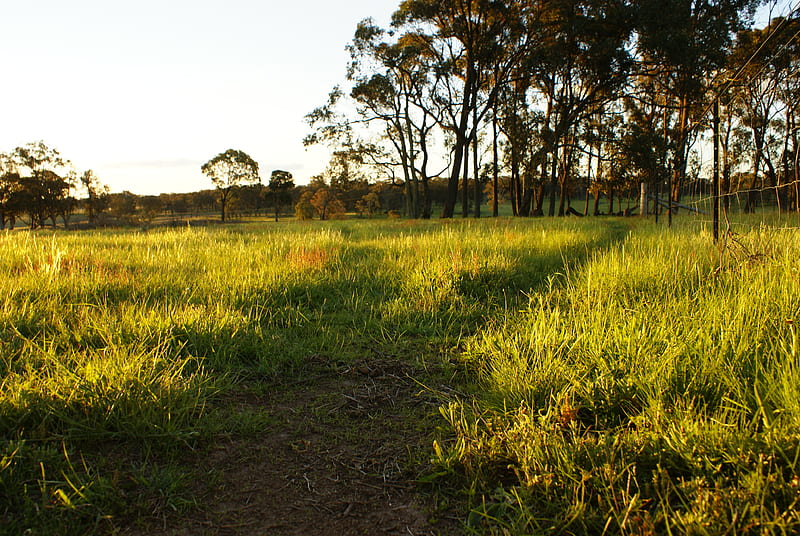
{"x": 570, "y": 376}
{"x": 134, "y": 338}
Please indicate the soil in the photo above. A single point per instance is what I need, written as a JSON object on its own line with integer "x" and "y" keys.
{"x": 341, "y": 455}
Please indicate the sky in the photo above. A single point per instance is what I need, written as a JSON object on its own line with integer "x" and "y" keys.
{"x": 143, "y": 93}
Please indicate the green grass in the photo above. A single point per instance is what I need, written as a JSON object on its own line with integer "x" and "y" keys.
{"x": 620, "y": 377}
{"x": 653, "y": 389}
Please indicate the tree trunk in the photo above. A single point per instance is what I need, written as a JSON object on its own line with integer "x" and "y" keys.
{"x": 495, "y": 170}
{"x": 426, "y": 191}
{"x": 551, "y": 211}
{"x": 588, "y": 182}
{"x": 679, "y": 173}
{"x": 611, "y": 201}
{"x": 448, "y": 210}
{"x": 476, "y": 170}
{"x": 465, "y": 184}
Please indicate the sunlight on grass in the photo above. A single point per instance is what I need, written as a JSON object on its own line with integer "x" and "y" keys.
{"x": 611, "y": 376}
{"x": 654, "y": 389}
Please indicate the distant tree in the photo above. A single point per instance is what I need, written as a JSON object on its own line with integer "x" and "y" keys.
{"x": 317, "y": 182}
{"x": 97, "y": 196}
{"x": 151, "y": 206}
{"x": 9, "y": 186}
{"x": 336, "y": 209}
{"x": 228, "y": 170}
{"x": 123, "y": 206}
{"x": 327, "y": 204}
{"x": 304, "y": 210}
{"x": 202, "y": 201}
{"x": 248, "y": 199}
{"x": 369, "y": 204}
{"x": 43, "y": 188}
{"x": 280, "y": 182}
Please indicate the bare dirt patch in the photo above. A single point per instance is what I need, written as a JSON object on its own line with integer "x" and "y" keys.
{"x": 341, "y": 456}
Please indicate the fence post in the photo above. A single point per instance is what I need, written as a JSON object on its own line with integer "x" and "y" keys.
{"x": 716, "y": 170}
{"x": 643, "y": 200}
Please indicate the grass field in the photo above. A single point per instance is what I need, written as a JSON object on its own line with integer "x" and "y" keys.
{"x": 589, "y": 376}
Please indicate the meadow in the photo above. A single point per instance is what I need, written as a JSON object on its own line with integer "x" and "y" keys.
{"x": 591, "y": 375}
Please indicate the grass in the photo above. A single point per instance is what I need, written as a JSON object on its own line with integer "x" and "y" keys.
{"x": 614, "y": 376}
{"x": 653, "y": 390}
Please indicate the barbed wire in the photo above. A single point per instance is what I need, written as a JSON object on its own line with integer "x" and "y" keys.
{"x": 786, "y": 214}
{"x": 729, "y": 82}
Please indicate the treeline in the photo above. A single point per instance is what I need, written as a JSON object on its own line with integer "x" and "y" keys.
{"x": 38, "y": 185}
{"x": 317, "y": 200}
{"x": 537, "y": 100}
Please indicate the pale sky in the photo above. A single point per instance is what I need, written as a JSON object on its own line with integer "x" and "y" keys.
{"x": 145, "y": 92}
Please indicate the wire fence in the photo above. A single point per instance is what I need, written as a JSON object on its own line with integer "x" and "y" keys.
{"x": 740, "y": 210}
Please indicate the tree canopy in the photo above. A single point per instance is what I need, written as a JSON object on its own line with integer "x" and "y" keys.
{"x": 230, "y": 169}
{"x": 546, "y": 98}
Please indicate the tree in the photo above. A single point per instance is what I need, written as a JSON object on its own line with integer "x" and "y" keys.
{"x": 396, "y": 85}
{"x": 478, "y": 43}
{"x": 123, "y": 206}
{"x": 304, "y": 210}
{"x": 97, "y": 200}
{"x": 44, "y": 183}
{"x": 683, "y": 43}
{"x": 764, "y": 62}
{"x": 369, "y": 204}
{"x": 280, "y": 182}
{"x": 228, "y": 170}
{"x": 9, "y": 187}
{"x": 327, "y": 203}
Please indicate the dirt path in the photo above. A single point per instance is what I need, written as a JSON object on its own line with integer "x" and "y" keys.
{"x": 340, "y": 457}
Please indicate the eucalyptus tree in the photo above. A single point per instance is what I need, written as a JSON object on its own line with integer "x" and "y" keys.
{"x": 9, "y": 184}
{"x": 644, "y": 135}
{"x": 684, "y": 44}
{"x": 392, "y": 89}
{"x": 765, "y": 62}
{"x": 230, "y": 169}
{"x": 757, "y": 101}
{"x": 280, "y": 182}
{"x": 40, "y": 182}
{"x": 580, "y": 61}
{"x": 384, "y": 75}
{"x": 476, "y": 44}
{"x": 789, "y": 92}
{"x": 97, "y": 195}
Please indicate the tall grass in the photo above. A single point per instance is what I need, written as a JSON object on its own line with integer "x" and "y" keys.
{"x": 652, "y": 390}
{"x": 127, "y": 337}
{"x": 628, "y": 379}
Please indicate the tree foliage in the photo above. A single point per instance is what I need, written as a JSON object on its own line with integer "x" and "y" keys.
{"x": 280, "y": 182}
{"x": 228, "y": 170}
{"x": 593, "y": 94}
{"x": 37, "y": 183}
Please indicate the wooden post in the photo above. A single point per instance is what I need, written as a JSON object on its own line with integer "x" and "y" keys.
{"x": 669, "y": 194}
{"x": 643, "y": 200}
{"x": 716, "y": 170}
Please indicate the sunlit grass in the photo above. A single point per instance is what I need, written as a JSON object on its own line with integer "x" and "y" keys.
{"x": 623, "y": 378}
{"x": 129, "y": 337}
{"x": 653, "y": 389}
